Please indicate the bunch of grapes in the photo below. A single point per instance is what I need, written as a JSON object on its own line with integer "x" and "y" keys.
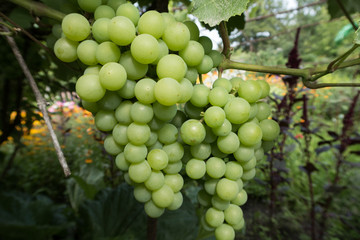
{"x": 141, "y": 85}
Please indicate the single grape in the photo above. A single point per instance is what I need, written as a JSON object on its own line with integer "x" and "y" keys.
{"x": 144, "y": 90}
{"x": 173, "y": 168}
{"x": 191, "y": 74}
{"x": 164, "y": 113}
{"x": 99, "y": 30}
{"x": 270, "y": 129}
{"x": 119, "y": 134}
{"x": 225, "y": 232}
{"x": 111, "y": 146}
{"x": 121, "y": 30}
{"x": 115, "y": 3}
{"x": 158, "y": 159}
{"x": 107, "y": 52}
{"x": 249, "y": 164}
{"x": 201, "y": 150}
{"x": 214, "y": 116}
{"x": 175, "y": 151}
{"x": 192, "y": 132}
{"x": 175, "y": 181}
{"x": 233, "y": 171}
{"x": 265, "y": 88}
{"x": 163, "y": 197}
{"x": 128, "y": 90}
{"x": 215, "y": 167}
{"x": 248, "y": 175}
{"x": 155, "y": 181}
{"x": 151, "y": 22}
{"x": 171, "y": 66}
{"x": 223, "y": 82}
{"x": 89, "y": 5}
{"x": 228, "y": 144}
{"x": 141, "y": 193}
{"x": 264, "y": 111}
{"x": 167, "y": 91}
{"x": 152, "y": 210}
{"x": 134, "y": 69}
{"x": 218, "y": 96}
{"x": 92, "y": 69}
{"x": 130, "y": 11}
{"x": 244, "y": 154}
{"x": 135, "y": 153}
{"x": 200, "y": 96}
{"x": 206, "y": 43}
{"x": 145, "y": 48}
{"x": 177, "y": 202}
{"x": 237, "y": 110}
{"x": 112, "y": 76}
{"x": 241, "y": 198}
{"x": 86, "y": 52}
{"x": 204, "y": 198}
{"x": 104, "y": 11}
{"x": 216, "y": 56}
{"x": 235, "y": 82}
{"x": 110, "y": 101}
{"x": 227, "y": 189}
{"x": 192, "y": 111}
{"x": 206, "y": 65}
{"x": 223, "y": 130}
{"x": 194, "y": 30}
{"x": 66, "y": 49}
{"x": 121, "y": 162}
{"x": 138, "y": 133}
{"x": 141, "y": 113}
{"x": 186, "y": 90}
{"x": 75, "y": 27}
{"x": 192, "y": 54}
{"x": 88, "y": 88}
{"x": 195, "y": 168}
{"x": 250, "y": 90}
{"x": 249, "y": 134}
{"x": 105, "y": 120}
{"x": 214, "y": 217}
{"x": 152, "y": 140}
{"x": 219, "y": 203}
{"x": 176, "y": 36}
{"x": 122, "y": 112}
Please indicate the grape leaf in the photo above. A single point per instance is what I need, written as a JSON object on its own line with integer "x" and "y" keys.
{"x": 335, "y": 11}
{"x": 212, "y": 12}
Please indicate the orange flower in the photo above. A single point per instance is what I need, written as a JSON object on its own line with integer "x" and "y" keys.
{"x": 88, "y": 160}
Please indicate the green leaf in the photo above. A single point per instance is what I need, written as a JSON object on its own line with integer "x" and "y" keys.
{"x": 357, "y": 36}
{"x": 335, "y": 11}
{"x": 212, "y": 12}
{"x": 343, "y": 33}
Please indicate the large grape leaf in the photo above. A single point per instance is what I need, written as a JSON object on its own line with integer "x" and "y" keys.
{"x": 335, "y": 11}
{"x": 212, "y": 12}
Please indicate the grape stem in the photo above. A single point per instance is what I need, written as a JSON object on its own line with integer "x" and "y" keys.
{"x": 40, "y": 101}
{"x": 39, "y": 9}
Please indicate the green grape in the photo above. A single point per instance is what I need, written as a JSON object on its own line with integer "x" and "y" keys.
{"x": 249, "y": 164}
{"x": 223, "y": 82}
{"x": 164, "y": 113}
{"x": 105, "y": 120}
{"x": 115, "y": 3}
{"x": 111, "y": 146}
{"x": 228, "y": 144}
{"x": 219, "y": 203}
{"x": 141, "y": 193}
{"x": 155, "y": 123}
{"x": 240, "y": 225}
{"x": 227, "y": 189}
{"x": 179, "y": 119}
{"x": 244, "y": 154}
{"x": 192, "y": 132}
{"x": 249, "y": 134}
{"x": 92, "y": 70}
{"x": 223, "y": 130}
{"x": 128, "y": 180}
{"x": 119, "y": 134}
{"x": 155, "y": 181}
{"x": 224, "y": 232}
{"x": 176, "y": 36}
{"x": 201, "y": 150}
{"x": 152, "y": 210}
{"x": 107, "y": 52}
{"x": 168, "y": 18}
{"x": 158, "y": 159}
{"x": 253, "y": 111}
{"x": 237, "y": 110}
{"x": 168, "y": 134}
{"x": 233, "y": 171}
{"x": 240, "y": 184}
{"x": 163, "y": 51}
{"x": 215, "y": 167}
{"x": 152, "y": 140}
{"x": 205, "y": 225}
{"x": 206, "y": 43}
{"x": 193, "y": 29}
{"x": 90, "y": 106}
{"x": 215, "y": 151}
{"x": 265, "y": 88}
{"x": 99, "y": 30}
{"x": 167, "y": 91}
{"x": 270, "y": 129}
{"x": 135, "y": 153}
{"x": 110, "y": 101}
{"x": 163, "y": 197}
{"x": 206, "y": 65}
{"x": 264, "y": 111}
{"x": 171, "y": 66}
{"x": 210, "y": 136}
{"x": 250, "y": 90}
{"x": 104, "y": 11}
{"x": 121, "y": 162}
{"x": 192, "y": 54}
{"x": 204, "y": 198}
{"x": 191, "y": 74}
{"x": 141, "y": 113}
{"x": 259, "y": 154}
{"x": 173, "y": 168}
{"x": 200, "y": 96}
{"x": 134, "y": 69}
{"x": 192, "y": 111}
{"x": 175, "y": 151}
{"x": 241, "y": 198}
{"x": 210, "y": 186}
{"x": 235, "y": 82}
{"x": 56, "y": 30}
{"x": 139, "y": 172}
{"x": 89, "y": 5}
{"x": 177, "y": 202}
{"x": 195, "y": 168}
{"x": 138, "y": 133}
{"x": 216, "y": 56}
{"x": 122, "y": 112}
{"x": 88, "y": 88}
{"x": 218, "y": 96}
{"x": 75, "y": 27}
{"x": 144, "y": 90}
{"x": 121, "y": 30}
{"x": 145, "y": 48}
{"x": 175, "y": 181}
{"x": 86, "y": 52}
{"x": 65, "y": 49}
{"x": 214, "y": 217}
{"x": 128, "y": 90}
{"x": 112, "y": 76}
{"x": 248, "y": 175}
{"x": 186, "y": 90}
{"x": 130, "y": 11}
{"x": 214, "y": 116}
{"x": 152, "y": 22}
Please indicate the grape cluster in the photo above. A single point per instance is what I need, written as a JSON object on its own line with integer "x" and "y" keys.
{"x": 141, "y": 85}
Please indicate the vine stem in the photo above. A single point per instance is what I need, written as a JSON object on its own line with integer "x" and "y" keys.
{"x": 40, "y": 102}
{"x": 225, "y": 39}
{"x": 346, "y": 13}
{"x": 39, "y": 9}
